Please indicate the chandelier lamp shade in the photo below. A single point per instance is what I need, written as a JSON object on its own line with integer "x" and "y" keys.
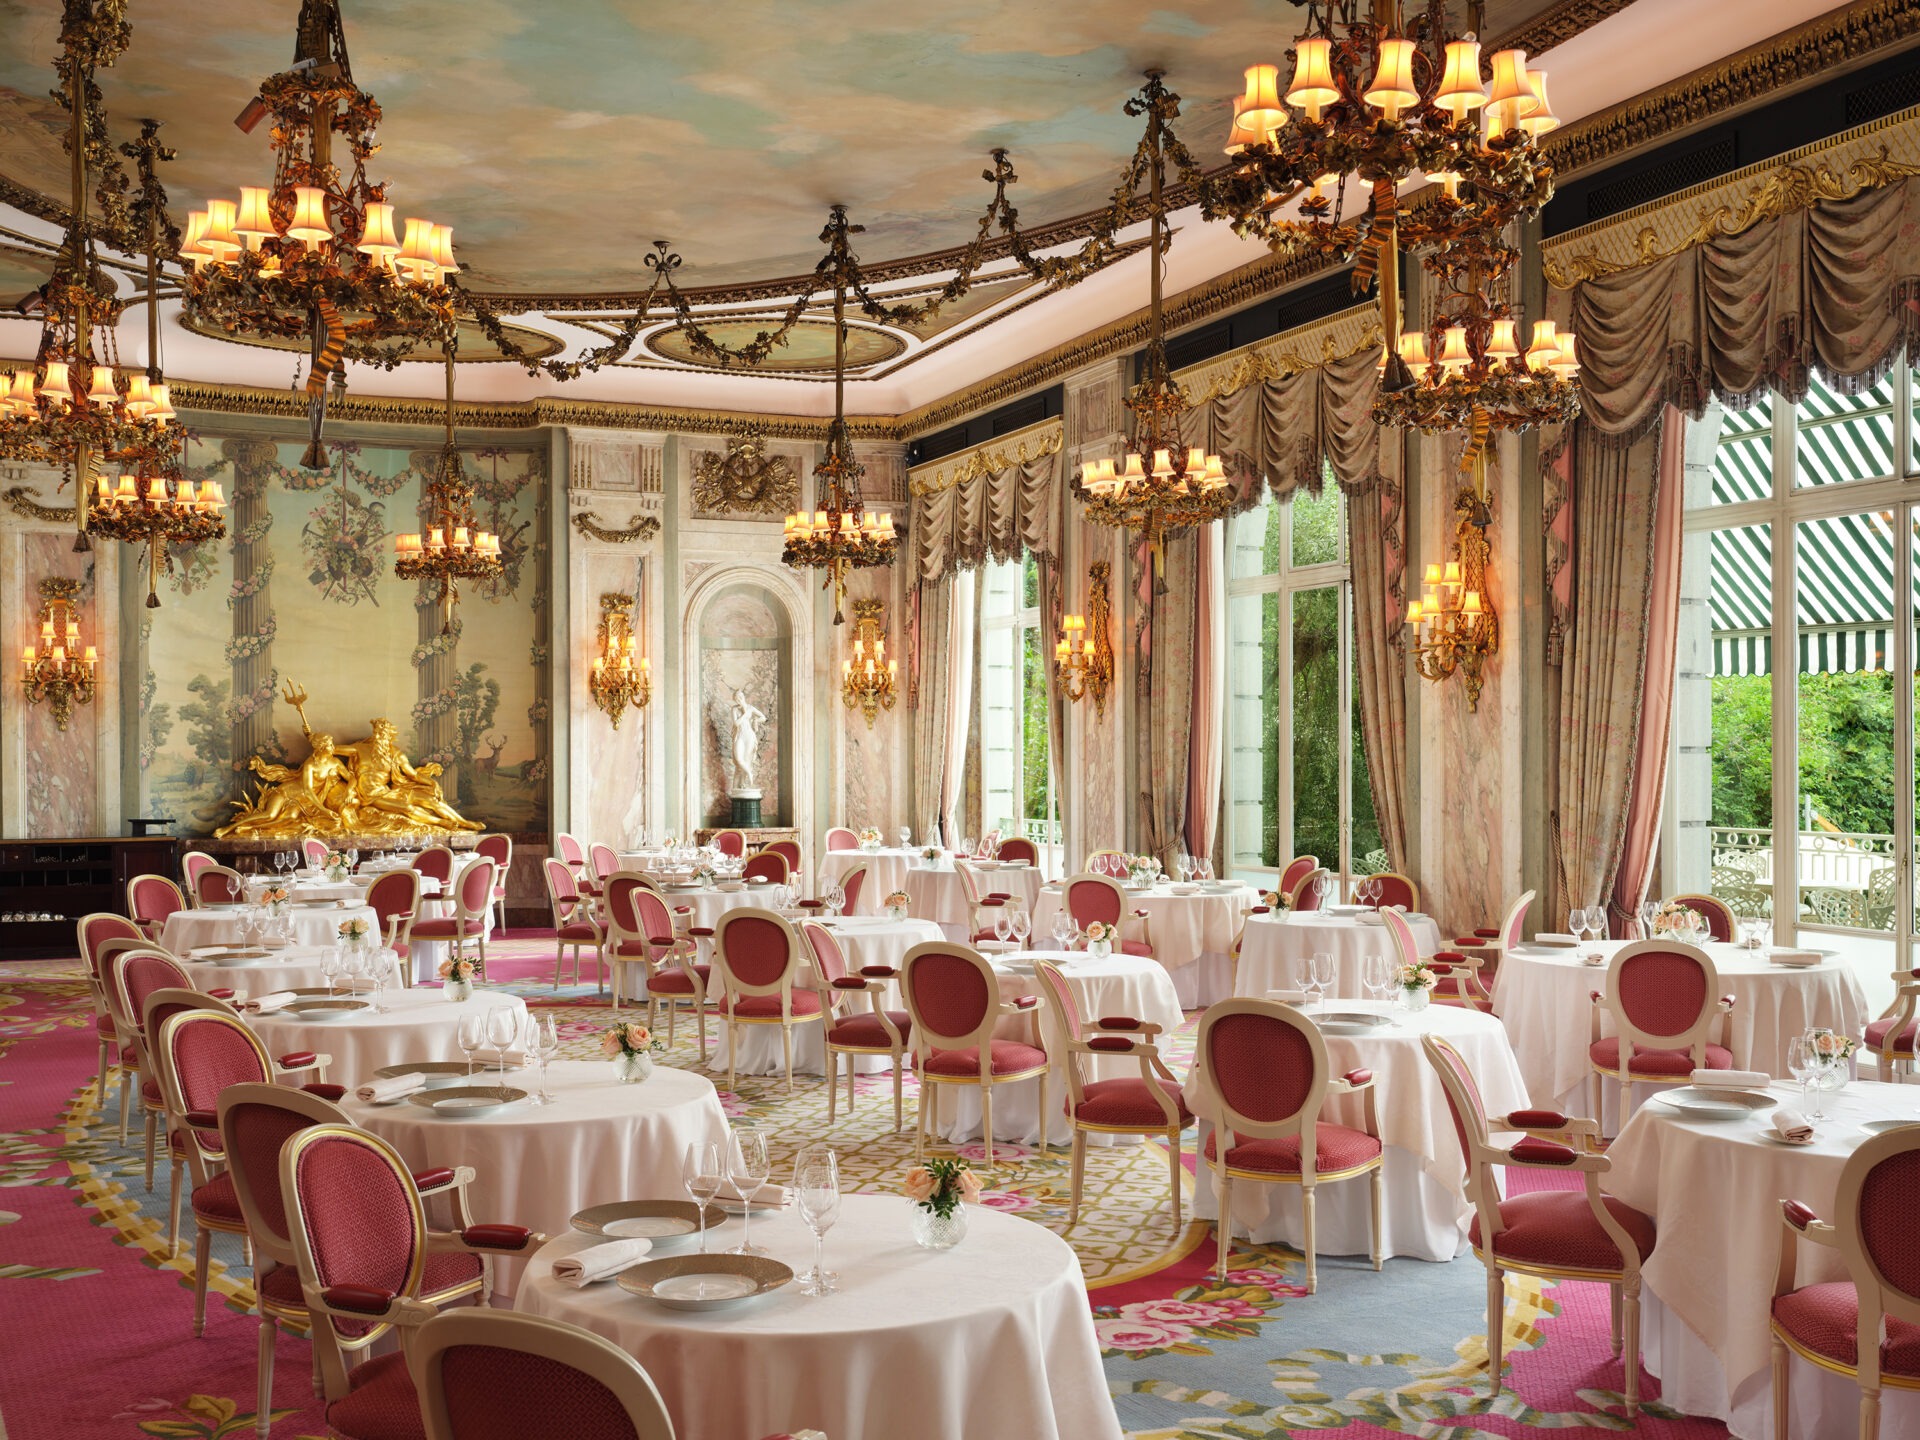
{"x": 452, "y": 547}
{"x": 617, "y": 680}
{"x": 59, "y": 670}
{"x": 868, "y": 677}
{"x": 317, "y": 254}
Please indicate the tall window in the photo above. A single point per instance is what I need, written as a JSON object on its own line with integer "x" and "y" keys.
{"x": 1296, "y": 779}
{"x": 1016, "y": 771}
{"x": 1792, "y": 783}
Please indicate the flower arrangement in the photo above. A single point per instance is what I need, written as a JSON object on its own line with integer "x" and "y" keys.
{"x": 356, "y": 931}
{"x": 1274, "y": 900}
{"x": 631, "y": 1038}
{"x": 335, "y": 865}
{"x": 1415, "y": 977}
{"x": 930, "y": 853}
{"x": 1677, "y": 920}
{"x": 275, "y": 898}
{"x": 939, "y": 1186}
{"x": 459, "y": 971}
{"x": 870, "y": 838}
{"x": 1831, "y": 1048}
{"x": 898, "y": 897}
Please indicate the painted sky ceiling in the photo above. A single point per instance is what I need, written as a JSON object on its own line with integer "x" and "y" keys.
{"x": 559, "y": 139}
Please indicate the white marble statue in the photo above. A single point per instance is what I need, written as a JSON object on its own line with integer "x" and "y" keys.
{"x": 746, "y": 740}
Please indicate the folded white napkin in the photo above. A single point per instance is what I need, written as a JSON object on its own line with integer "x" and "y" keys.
{"x": 394, "y": 1087}
{"x": 1779, "y": 955}
{"x": 1554, "y": 937}
{"x": 600, "y": 1262}
{"x": 1790, "y": 1125}
{"x": 512, "y": 1059}
{"x": 1288, "y": 997}
{"x": 767, "y": 1194}
{"x": 272, "y": 1001}
{"x": 1731, "y": 1079}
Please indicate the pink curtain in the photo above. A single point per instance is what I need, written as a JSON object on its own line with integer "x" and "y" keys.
{"x": 1208, "y": 717}
{"x": 1663, "y": 630}
{"x": 959, "y": 702}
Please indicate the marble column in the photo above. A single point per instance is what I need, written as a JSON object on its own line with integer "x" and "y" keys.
{"x": 250, "y": 651}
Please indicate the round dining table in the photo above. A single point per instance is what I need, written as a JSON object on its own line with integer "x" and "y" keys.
{"x": 536, "y": 1165}
{"x": 1424, "y": 1211}
{"x": 935, "y": 892}
{"x": 1275, "y": 947}
{"x": 1714, "y": 1188}
{"x": 993, "y": 1337}
{"x": 1542, "y": 992}
{"x": 886, "y": 872}
{"x": 263, "y": 969}
{"x": 308, "y": 924}
{"x": 395, "y": 1028}
{"x": 707, "y": 904}
{"x": 1192, "y": 931}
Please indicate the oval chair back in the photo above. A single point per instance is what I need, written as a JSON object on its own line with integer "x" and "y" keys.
{"x": 1513, "y": 930}
{"x": 475, "y": 891}
{"x": 989, "y": 847}
{"x": 851, "y": 884}
{"x": 788, "y": 849}
{"x": 729, "y": 842}
{"x": 1715, "y": 911}
{"x": 1020, "y": 848}
{"x": 1297, "y": 868}
{"x": 137, "y": 972}
{"x": 1305, "y": 894}
{"x": 952, "y": 995}
{"x": 1096, "y": 897}
{"x": 1066, "y": 1014}
{"x": 314, "y": 851}
{"x": 841, "y": 838}
{"x": 646, "y": 908}
{"x": 150, "y": 900}
{"x": 969, "y": 887}
{"x": 256, "y": 1121}
{"x": 829, "y": 960}
{"x": 604, "y": 860}
{"x": 630, "y": 933}
{"x": 499, "y": 849}
{"x": 1663, "y": 996}
{"x": 191, "y": 864}
{"x": 1873, "y": 1221}
{"x": 1107, "y": 862}
{"x": 94, "y": 931}
{"x": 563, "y": 891}
{"x": 436, "y": 863}
{"x": 484, "y": 1374}
{"x": 1406, "y": 947}
{"x": 162, "y": 1005}
{"x": 758, "y": 953}
{"x": 1397, "y": 889}
{"x": 773, "y": 867}
{"x": 571, "y": 855}
{"x": 394, "y": 898}
{"x": 1265, "y": 1067}
{"x": 218, "y": 885}
{"x": 198, "y": 1053}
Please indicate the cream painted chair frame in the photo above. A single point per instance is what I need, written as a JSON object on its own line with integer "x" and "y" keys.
{"x": 980, "y": 1039}
{"x": 873, "y": 981}
{"x": 1695, "y": 1038}
{"x": 734, "y": 989}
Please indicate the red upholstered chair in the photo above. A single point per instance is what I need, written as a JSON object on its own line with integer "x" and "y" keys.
{"x": 989, "y": 847}
{"x": 1558, "y": 1234}
{"x": 852, "y": 1031}
{"x": 1305, "y": 894}
{"x": 1112, "y": 863}
{"x": 1868, "y": 1325}
{"x": 789, "y": 850}
{"x": 1717, "y": 913}
{"x": 1664, "y": 996}
{"x": 729, "y": 842}
{"x": 1890, "y": 1037}
{"x": 757, "y": 955}
{"x": 851, "y": 884}
{"x": 572, "y": 854}
{"x": 1397, "y": 889}
{"x": 361, "y": 1246}
{"x": 436, "y": 863}
{"x": 1149, "y": 1104}
{"x": 841, "y": 838}
{"x": 604, "y": 863}
{"x": 315, "y": 851}
{"x": 499, "y": 849}
{"x": 1459, "y": 973}
{"x": 1297, "y": 870}
{"x": 981, "y": 907}
{"x": 573, "y": 921}
{"x": 217, "y": 885}
{"x": 954, "y": 1001}
{"x": 191, "y": 864}
{"x": 1020, "y": 848}
{"x": 1264, "y": 1070}
{"x": 150, "y": 900}
{"x": 1100, "y": 897}
{"x": 467, "y": 926}
{"x": 95, "y": 930}
{"x": 768, "y": 866}
{"x": 1490, "y": 946}
{"x": 394, "y": 898}
{"x": 256, "y": 1121}
{"x": 135, "y": 971}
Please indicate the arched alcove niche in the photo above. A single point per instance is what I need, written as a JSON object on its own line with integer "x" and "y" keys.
{"x": 744, "y": 633}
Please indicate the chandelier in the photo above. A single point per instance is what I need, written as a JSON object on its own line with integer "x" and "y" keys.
{"x": 840, "y": 534}
{"x": 316, "y": 254}
{"x": 59, "y": 671}
{"x": 453, "y": 548}
{"x": 70, "y": 408}
{"x": 867, "y": 679}
{"x": 1159, "y": 488}
{"x": 617, "y": 680}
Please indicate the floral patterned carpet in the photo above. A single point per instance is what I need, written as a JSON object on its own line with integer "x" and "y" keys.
{"x": 97, "y": 1314}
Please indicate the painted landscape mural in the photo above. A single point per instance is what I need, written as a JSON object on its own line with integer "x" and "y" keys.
{"x": 304, "y": 578}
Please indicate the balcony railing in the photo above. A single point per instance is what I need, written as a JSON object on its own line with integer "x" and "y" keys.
{"x": 1845, "y": 878}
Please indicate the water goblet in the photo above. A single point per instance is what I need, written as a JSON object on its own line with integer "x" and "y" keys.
{"x": 353, "y": 967}
{"x": 545, "y": 1047}
{"x": 906, "y": 838}
{"x": 1323, "y": 973}
{"x": 1597, "y": 924}
{"x": 1803, "y": 1063}
{"x": 749, "y": 1165}
{"x": 836, "y": 899}
{"x": 329, "y": 966}
{"x": 703, "y": 1171}
{"x": 1002, "y": 924}
{"x": 1022, "y": 926}
{"x": 1322, "y": 888}
{"x": 1577, "y": 925}
{"x": 503, "y": 1027}
{"x": 1648, "y": 909}
{"x": 816, "y": 1189}
{"x": 966, "y": 845}
{"x": 470, "y": 1035}
{"x": 1063, "y": 928}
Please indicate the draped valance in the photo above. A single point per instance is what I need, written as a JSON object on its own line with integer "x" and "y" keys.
{"x": 992, "y": 503}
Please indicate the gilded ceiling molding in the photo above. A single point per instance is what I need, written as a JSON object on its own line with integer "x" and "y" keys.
{"x": 1839, "y": 168}
{"x": 1021, "y": 448}
{"x": 1321, "y": 343}
{"x": 26, "y": 504}
{"x": 643, "y": 527}
{"x": 1786, "y": 61}
{"x": 1557, "y": 25}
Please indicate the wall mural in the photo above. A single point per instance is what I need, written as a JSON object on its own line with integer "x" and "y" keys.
{"x": 305, "y": 579}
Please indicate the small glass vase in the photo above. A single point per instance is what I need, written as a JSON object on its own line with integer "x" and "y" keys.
{"x": 896, "y": 913}
{"x": 1415, "y": 1000}
{"x": 632, "y": 1069}
{"x": 932, "y": 1231}
{"x": 457, "y": 990}
{"x": 1099, "y": 949}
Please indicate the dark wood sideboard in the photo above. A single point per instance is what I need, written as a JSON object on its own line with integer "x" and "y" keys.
{"x": 68, "y": 879}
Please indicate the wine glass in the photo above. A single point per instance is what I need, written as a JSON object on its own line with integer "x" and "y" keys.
{"x": 385, "y": 965}
{"x": 1375, "y": 975}
{"x": 816, "y": 1190}
{"x": 1322, "y": 888}
{"x": 471, "y": 1035}
{"x": 1596, "y": 925}
{"x": 1320, "y": 967}
{"x": 966, "y": 845}
{"x": 836, "y": 899}
{"x": 1022, "y": 926}
{"x": 702, "y": 1172}
{"x": 503, "y": 1027}
{"x": 749, "y": 1165}
{"x": 1648, "y": 909}
{"x": 1002, "y": 924}
{"x": 1803, "y": 1064}
{"x": 353, "y": 966}
{"x": 541, "y": 1037}
{"x": 329, "y": 966}
{"x": 1063, "y": 928}
{"x": 906, "y": 838}
{"x": 1577, "y": 923}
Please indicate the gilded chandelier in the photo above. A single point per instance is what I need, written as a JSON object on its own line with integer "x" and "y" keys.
{"x": 59, "y": 670}
{"x": 867, "y": 679}
{"x": 840, "y": 534}
{"x": 316, "y": 253}
{"x": 617, "y": 680}
{"x": 1160, "y": 487}
{"x": 453, "y": 548}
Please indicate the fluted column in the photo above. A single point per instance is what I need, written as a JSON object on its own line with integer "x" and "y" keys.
{"x": 250, "y": 650}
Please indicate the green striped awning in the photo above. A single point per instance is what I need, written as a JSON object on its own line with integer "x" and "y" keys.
{"x": 1845, "y": 564}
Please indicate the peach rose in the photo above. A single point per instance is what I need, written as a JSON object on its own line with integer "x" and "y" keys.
{"x": 610, "y": 1044}
{"x": 919, "y": 1185}
{"x": 446, "y": 969}
{"x": 638, "y": 1037}
{"x": 969, "y": 1186}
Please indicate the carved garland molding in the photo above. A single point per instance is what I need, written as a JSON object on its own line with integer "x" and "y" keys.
{"x": 642, "y": 527}
{"x": 26, "y": 504}
{"x": 1043, "y": 440}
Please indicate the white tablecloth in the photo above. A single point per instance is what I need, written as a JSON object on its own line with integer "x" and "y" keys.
{"x": 886, "y": 872}
{"x": 311, "y": 925}
{"x": 708, "y": 904}
{"x": 292, "y": 968}
{"x": 1543, "y": 993}
{"x": 1425, "y": 1209}
{"x": 538, "y": 1164}
{"x": 1192, "y": 935}
{"x": 991, "y": 1338}
{"x": 1275, "y": 947}
{"x": 934, "y": 893}
{"x": 416, "y": 1025}
{"x": 1714, "y": 1188}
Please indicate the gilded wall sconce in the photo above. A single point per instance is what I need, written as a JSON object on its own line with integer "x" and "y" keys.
{"x": 1454, "y": 627}
{"x": 59, "y": 669}
{"x": 867, "y": 679}
{"x": 1084, "y": 652}
{"x": 618, "y": 679}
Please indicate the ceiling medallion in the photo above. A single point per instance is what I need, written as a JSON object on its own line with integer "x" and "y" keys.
{"x": 316, "y": 254}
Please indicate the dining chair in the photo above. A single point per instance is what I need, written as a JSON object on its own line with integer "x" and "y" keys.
{"x": 1396, "y": 889}
{"x": 216, "y": 885}
{"x": 989, "y": 846}
{"x": 1297, "y": 870}
{"x": 1868, "y": 1325}
{"x": 789, "y": 850}
{"x": 1662, "y": 996}
{"x": 1556, "y": 1234}
{"x": 852, "y": 1032}
{"x": 851, "y": 884}
{"x": 1091, "y": 898}
{"x": 1265, "y": 1076}
{"x": 1020, "y": 848}
{"x": 978, "y": 929}
{"x": 467, "y": 925}
{"x": 1891, "y": 1037}
{"x": 574, "y": 923}
{"x": 394, "y": 898}
{"x": 135, "y": 971}
{"x": 1240, "y": 937}
{"x": 499, "y": 849}
{"x": 757, "y": 954}
{"x": 1305, "y": 895}
{"x": 768, "y": 866}
{"x": 255, "y": 1123}
{"x": 150, "y": 900}
{"x": 197, "y": 1053}
{"x": 1715, "y": 911}
{"x": 94, "y": 930}
{"x": 191, "y": 864}
{"x": 1149, "y": 1104}
{"x": 841, "y": 838}
{"x": 1458, "y": 973}
{"x": 1491, "y": 945}
{"x": 436, "y": 863}
{"x": 315, "y": 851}
{"x": 953, "y": 1000}
{"x": 1107, "y": 862}
{"x": 731, "y": 843}
{"x": 571, "y": 854}
{"x": 361, "y": 1247}
{"x": 604, "y": 862}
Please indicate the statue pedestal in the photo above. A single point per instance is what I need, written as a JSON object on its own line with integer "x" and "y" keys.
{"x": 746, "y": 808}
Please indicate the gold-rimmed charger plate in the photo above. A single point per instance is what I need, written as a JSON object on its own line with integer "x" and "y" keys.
{"x": 1352, "y": 1022}
{"x": 1700, "y": 1102}
{"x": 320, "y": 1007}
{"x": 438, "y": 1073}
{"x": 705, "y": 1282}
{"x": 232, "y": 957}
{"x": 467, "y": 1102}
{"x": 664, "y": 1222}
